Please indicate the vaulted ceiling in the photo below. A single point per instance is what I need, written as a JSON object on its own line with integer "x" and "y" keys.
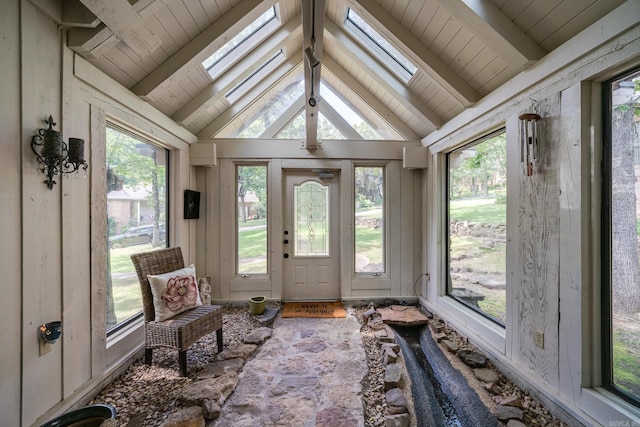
{"x": 462, "y": 51}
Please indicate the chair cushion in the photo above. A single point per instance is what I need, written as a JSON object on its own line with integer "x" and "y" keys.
{"x": 174, "y": 292}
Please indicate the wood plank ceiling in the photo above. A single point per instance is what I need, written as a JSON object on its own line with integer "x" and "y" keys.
{"x": 462, "y": 49}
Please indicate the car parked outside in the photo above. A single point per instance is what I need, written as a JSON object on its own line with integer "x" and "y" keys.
{"x": 137, "y": 236}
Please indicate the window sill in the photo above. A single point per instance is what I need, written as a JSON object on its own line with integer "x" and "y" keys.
{"x": 608, "y": 409}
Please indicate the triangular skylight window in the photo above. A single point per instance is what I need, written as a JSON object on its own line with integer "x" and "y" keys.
{"x": 353, "y": 118}
{"x": 296, "y": 129}
{"x": 380, "y": 47}
{"x": 249, "y": 37}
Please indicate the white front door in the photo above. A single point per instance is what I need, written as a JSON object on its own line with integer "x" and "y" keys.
{"x": 311, "y": 236}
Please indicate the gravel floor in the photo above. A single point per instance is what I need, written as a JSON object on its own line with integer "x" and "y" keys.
{"x": 145, "y": 395}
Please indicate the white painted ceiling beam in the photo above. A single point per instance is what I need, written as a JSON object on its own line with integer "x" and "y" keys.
{"x": 238, "y": 73}
{"x": 126, "y": 23}
{"x": 496, "y": 30}
{"x": 200, "y": 47}
{"x": 285, "y": 118}
{"x": 92, "y": 42}
{"x": 284, "y": 71}
{"x": 388, "y": 81}
{"x": 339, "y": 122}
{"x": 418, "y": 52}
{"x": 388, "y": 119}
{"x": 313, "y": 12}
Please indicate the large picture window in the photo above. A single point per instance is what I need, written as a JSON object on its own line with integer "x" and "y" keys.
{"x": 621, "y": 237}
{"x": 477, "y": 211}
{"x": 136, "y": 215}
{"x": 251, "y": 220}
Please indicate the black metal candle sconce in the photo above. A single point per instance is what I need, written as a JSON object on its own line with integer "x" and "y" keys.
{"x": 56, "y": 157}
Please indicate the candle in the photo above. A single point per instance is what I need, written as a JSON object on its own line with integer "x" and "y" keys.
{"x": 76, "y": 150}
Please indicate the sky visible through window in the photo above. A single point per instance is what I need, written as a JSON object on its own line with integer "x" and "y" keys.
{"x": 240, "y": 38}
{"x": 380, "y": 46}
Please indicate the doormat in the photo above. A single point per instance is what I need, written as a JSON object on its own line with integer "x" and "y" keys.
{"x": 324, "y": 310}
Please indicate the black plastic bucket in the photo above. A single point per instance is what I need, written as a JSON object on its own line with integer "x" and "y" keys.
{"x": 88, "y": 416}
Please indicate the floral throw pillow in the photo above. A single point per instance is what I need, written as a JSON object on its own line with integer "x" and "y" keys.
{"x": 174, "y": 292}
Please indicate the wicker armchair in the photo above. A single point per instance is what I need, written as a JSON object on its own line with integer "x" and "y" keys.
{"x": 182, "y": 330}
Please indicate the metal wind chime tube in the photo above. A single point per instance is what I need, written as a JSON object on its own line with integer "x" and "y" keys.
{"x": 529, "y": 140}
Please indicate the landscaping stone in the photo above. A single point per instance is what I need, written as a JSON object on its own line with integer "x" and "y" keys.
{"x": 439, "y": 337}
{"x": 397, "y": 420}
{"x": 258, "y": 336}
{"x": 388, "y": 355}
{"x": 508, "y": 412}
{"x": 210, "y": 410}
{"x": 403, "y": 315}
{"x": 512, "y": 400}
{"x": 189, "y": 417}
{"x": 515, "y": 423}
{"x": 393, "y": 376}
{"x": 268, "y": 316}
{"x": 216, "y": 389}
{"x": 472, "y": 359}
{"x": 241, "y": 350}
{"x": 335, "y": 417}
{"x": 450, "y": 346}
{"x": 396, "y": 401}
{"x": 217, "y": 369}
{"x": 486, "y": 375}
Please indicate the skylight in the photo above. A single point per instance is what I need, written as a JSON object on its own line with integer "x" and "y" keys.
{"x": 379, "y": 46}
{"x": 244, "y": 40}
{"x": 262, "y": 70}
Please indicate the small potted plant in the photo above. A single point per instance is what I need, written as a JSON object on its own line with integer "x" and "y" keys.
{"x": 257, "y": 304}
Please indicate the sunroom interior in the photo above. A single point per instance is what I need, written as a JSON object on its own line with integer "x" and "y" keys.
{"x": 479, "y": 158}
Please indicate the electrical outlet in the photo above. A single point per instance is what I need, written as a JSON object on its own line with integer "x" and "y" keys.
{"x": 538, "y": 338}
{"x": 45, "y": 347}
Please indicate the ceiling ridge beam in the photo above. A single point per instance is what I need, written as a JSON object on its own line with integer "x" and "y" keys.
{"x": 285, "y": 118}
{"x": 205, "y": 43}
{"x": 125, "y": 22}
{"x": 339, "y": 122}
{"x": 281, "y": 73}
{"x": 187, "y": 113}
{"x": 496, "y": 31}
{"x": 370, "y": 65}
{"x": 385, "y": 114}
{"x": 425, "y": 59}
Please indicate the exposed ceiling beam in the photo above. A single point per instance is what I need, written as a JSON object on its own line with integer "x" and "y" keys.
{"x": 495, "y": 30}
{"x": 339, "y": 122}
{"x": 418, "y": 52}
{"x": 75, "y": 14}
{"x": 242, "y": 70}
{"x": 313, "y": 12}
{"x": 204, "y": 44}
{"x": 374, "y": 69}
{"x": 285, "y": 118}
{"x": 126, "y": 23}
{"x": 386, "y": 118}
{"x": 283, "y": 72}
{"x": 91, "y": 42}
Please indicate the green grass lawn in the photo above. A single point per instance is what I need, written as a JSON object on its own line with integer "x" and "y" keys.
{"x": 369, "y": 243}
{"x": 483, "y": 210}
{"x": 626, "y": 359}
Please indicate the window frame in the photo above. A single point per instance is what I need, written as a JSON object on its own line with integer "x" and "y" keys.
{"x": 385, "y": 274}
{"x": 386, "y": 58}
{"x": 222, "y": 64}
{"x": 118, "y": 329}
{"x": 606, "y": 217}
{"x": 447, "y": 232}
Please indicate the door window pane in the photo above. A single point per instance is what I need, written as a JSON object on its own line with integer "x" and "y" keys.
{"x": 311, "y": 219}
{"x": 622, "y": 239}
{"x": 477, "y": 208}
{"x": 251, "y": 223}
{"x": 136, "y": 214}
{"x": 369, "y": 209}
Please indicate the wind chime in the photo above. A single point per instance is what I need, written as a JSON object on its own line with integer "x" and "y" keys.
{"x": 529, "y": 140}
